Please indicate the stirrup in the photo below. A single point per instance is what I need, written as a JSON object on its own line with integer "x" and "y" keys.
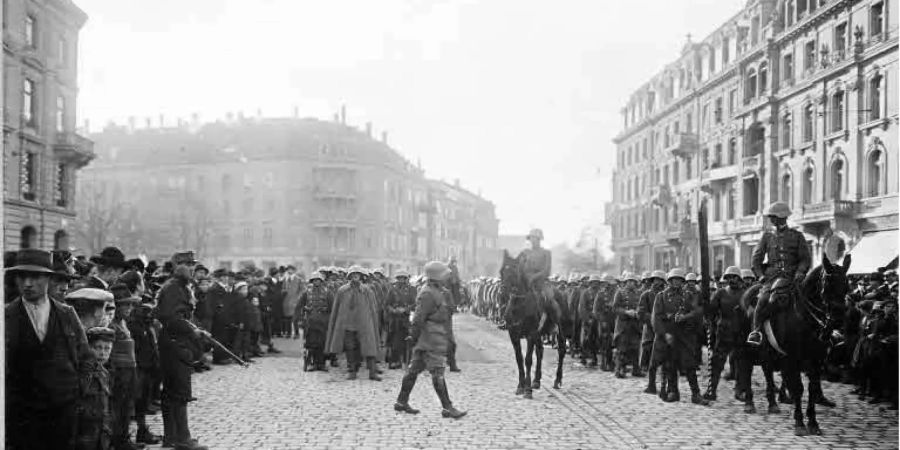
{"x": 755, "y": 338}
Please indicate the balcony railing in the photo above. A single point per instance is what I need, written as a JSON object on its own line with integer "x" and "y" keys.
{"x": 74, "y": 147}
{"x": 720, "y": 173}
{"x": 751, "y": 162}
{"x": 749, "y": 223}
{"x": 683, "y": 144}
{"x": 828, "y": 210}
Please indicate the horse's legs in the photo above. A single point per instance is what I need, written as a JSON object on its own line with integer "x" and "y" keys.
{"x": 528, "y": 361}
{"x": 742, "y": 385}
{"x": 790, "y": 371}
{"x": 539, "y": 354}
{"x": 517, "y": 348}
{"x": 770, "y": 388}
{"x": 561, "y": 355}
{"x": 812, "y": 425}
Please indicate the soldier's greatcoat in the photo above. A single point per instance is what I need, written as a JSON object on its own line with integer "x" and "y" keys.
{"x": 670, "y": 304}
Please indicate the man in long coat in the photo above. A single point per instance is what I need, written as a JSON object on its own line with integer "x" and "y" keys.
{"x": 657, "y": 281}
{"x": 400, "y": 302}
{"x": 352, "y": 326}
{"x": 293, "y": 288}
{"x": 627, "y": 332}
{"x": 722, "y": 314}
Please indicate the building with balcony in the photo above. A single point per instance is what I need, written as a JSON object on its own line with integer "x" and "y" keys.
{"x": 42, "y": 152}
{"x": 274, "y": 191}
{"x": 784, "y": 101}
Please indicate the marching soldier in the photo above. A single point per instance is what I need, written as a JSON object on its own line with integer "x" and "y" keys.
{"x": 788, "y": 259}
{"x": 589, "y": 337}
{"x": 675, "y": 314}
{"x": 606, "y": 321}
{"x": 627, "y": 333}
{"x": 657, "y": 281}
{"x": 721, "y": 314}
{"x": 431, "y": 333}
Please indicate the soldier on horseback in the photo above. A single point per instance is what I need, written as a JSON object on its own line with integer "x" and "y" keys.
{"x": 787, "y": 259}
{"x": 536, "y": 270}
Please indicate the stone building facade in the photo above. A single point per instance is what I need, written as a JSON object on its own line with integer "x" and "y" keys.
{"x": 269, "y": 192}
{"x": 42, "y": 152}
{"x": 788, "y": 100}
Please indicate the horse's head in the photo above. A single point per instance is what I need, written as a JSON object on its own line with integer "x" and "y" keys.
{"x": 509, "y": 271}
{"x": 833, "y": 286}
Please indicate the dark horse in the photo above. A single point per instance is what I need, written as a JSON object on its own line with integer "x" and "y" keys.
{"x": 523, "y": 320}
{"x": 795, "y": 335}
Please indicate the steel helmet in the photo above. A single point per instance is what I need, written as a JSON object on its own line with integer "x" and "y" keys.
{"x": 747, "y": 273}
{"x": 779, "y": 209}
{"x": 658, "y": 274}
{"x": 315, "y": 276}
{"x": 403, "y": 273}
{"x": 596, "y": 278}
{"x": 607, "y": 278}
{"x": 631, "y": 277}
{"x": 690, "y": 277}
{"x": 732, "y": 270}
{"x": 675, "y": 273}
{"x": 645, "y": 275}
{"x": 356, "y": 269}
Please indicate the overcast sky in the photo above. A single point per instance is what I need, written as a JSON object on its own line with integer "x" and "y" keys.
{"x": 516, "y": 98}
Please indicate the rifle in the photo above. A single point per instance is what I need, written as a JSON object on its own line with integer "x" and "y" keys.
{"x": 218, "y": 344}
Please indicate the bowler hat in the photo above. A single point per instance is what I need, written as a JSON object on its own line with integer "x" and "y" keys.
{"x": 122, "y": 294}
{"x": 136, "y": 264}
{"x": 110, "y": 257}
{"x": 33, "y": 260}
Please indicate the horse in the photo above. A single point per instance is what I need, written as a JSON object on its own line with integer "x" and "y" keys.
{"x": 747, "y": 356}
{"x": 794, "y": 335}
{"x": 523, "y": 321}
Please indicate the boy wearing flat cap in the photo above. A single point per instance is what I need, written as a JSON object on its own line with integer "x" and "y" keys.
{"x": 94, "y": 419}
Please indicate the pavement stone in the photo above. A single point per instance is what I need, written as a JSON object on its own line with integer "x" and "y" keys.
{"x": 275, "y": 405}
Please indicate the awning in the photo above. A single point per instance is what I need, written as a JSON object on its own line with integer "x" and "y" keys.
{"x": 874, "y": 250}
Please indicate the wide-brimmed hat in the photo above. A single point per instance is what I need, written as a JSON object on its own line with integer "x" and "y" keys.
{"x": 110, "y": 257}
{"x": 122, "y": 294}
{"x": 34, "y": 261}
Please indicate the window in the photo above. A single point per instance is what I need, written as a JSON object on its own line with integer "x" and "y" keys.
{"x": 732, "y": 203}
{"x": 725, "y": 50}
{"x": 60, "y": 240}
{"x": 62, "y": 180}
{"x": 751, "y": 195}
{"x": 808, "y": 122}
{"x": 30, "y": 32}
{"x": 840, "y": 42}
{"x": 248, "y": 236}
{"x": 786, "y": 131}
{"x": 29, "y": 103}
{"x": 689, "y": 123}
{"x": 837, "y": 179}
{"x": 28, "y": 178}
{"x": 763, "y": 78}
{"x": 267, "y": 237}
{"x": 719, "y": 111}
{"x": 788, "y": 69}
{"x": 666, "y": 140}
{"x": 784, "y": 193}
{"x": 789, "y": 13}
{"x": 675, "y": 172}
{"x": 837, "y": 111}
{"x": 62, "y": 51}
{"x": 732, "y": 98}
{"x": 876, "y": 25}
{"x": 717, "y": 207}
{"x": 705, "y": 160}
{"x": 808, "y": 185}
{"x": 875, "y": 173}
{"x": 688, "y": 165}
{"x": 717, "y": 162}
{"x": 644, "y": 148}
{"x": 732, "y": 151}
{"x": 712, "y": 61}
{"x": 750, "y": 85}
{"x": 875, "y": 97}
{"x": 60, "y": 114}
{"x": 809, "y": 56}
{"x": 704, "y": 117}
{"x": 28, "y": 238}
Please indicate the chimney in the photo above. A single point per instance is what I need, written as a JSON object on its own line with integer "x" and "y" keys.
{"x": 384, "y": 137}
{"x": 343, "y": 115}
{"x": 369, "y": 129}
{"x": 130, "y": 123}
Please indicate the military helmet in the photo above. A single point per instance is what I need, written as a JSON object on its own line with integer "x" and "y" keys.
{"x": 675, "y": 273}
{"x": 631, "y": 277}
{"x": 779, "y": 209}
{"x": 690, "y": 277}
{"x": 607, "y": 278}
{"x": 595, "y": 278}
{"x": 658, "y": 274}
{"x": 355, "y": 269}
{"x": 732, "y": 270}
{"x": 536, "y": 232}
{"x": 747, "y": 273}
{"x": 316, "y": 276}
{"x": 645, "y": 275}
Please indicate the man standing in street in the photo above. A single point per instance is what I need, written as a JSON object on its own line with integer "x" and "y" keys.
{"x": 400, "y": 301}
{"x": 179, "y": 348}
{"x": 46, "y": 350}
{"x": 721, "y": 313}
{"x": 352, "y": 326}
{"x": 431, "y": 333}
{"x": 453, "y": 285}
{"x": 293, "y": 288}
{"x": 657, "y": 280}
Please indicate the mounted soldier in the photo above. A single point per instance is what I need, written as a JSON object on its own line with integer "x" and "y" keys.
{"x": 780, "y": 259}
{"x": 536, "y": 269}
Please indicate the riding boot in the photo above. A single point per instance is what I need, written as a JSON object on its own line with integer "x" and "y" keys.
{"x": 651, "y": 381}
{"x": 440, "y": 387}
{"x": 671, "y": 375}
{"x": 373, "y": 371}
{"x": 759, "y": 318}
{"x": 696, "y": 398}
{"x": 409, "y": 382}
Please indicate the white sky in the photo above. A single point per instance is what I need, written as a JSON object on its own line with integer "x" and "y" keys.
{"x": 517, "y": 98}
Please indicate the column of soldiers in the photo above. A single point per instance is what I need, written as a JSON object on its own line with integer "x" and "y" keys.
{"x": 656, "y": 324}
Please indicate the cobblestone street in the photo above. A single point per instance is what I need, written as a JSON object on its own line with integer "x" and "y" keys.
{"x": 275, "y": 405}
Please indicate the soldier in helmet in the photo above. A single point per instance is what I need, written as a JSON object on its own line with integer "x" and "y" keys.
{"x": 721, "y": 314}
{"x": 645, "y": 309}
{"x": 536, "y": 271}
{"x": 748, "y": 277}
{"x": 786, "y": 256}
{"x": 627, "y": 333}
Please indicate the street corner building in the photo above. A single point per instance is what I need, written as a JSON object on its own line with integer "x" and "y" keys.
{"x": 269, "y": 192}
{"x": 792, "y": 101}
{"x": 42, "y": 152}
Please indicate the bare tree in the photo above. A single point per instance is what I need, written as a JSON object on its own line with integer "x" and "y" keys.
{"x": 100, "y": 214}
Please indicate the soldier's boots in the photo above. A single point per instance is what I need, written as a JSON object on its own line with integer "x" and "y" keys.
{"x": 452, "y": 413}
{"x": 404, "y": 407}
{"x": 145, "y": 436}
{"x": 373, "y": 370}
{"x": 696, "y": 398}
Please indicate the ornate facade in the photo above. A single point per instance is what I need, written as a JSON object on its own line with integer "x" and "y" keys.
{"x": 42, "y": 153}
{"x": 788, "y": 100}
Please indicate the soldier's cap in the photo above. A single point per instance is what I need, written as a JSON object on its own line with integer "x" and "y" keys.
{"x": 100, "y": 334}
{"x": 122, "y": 294}
{"x": 90, "y": 294}
{"x": 402, "y": 273}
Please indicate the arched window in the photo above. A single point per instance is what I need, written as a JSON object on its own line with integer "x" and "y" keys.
{"x": 809, "y": 185}
{"x": 837, "y": 179}
{"x": 785, "y": 193}
{"x": 875, "y": 173}
{"x": 875, "y": 97}
{"x": 837, "y": 111}
{"x": 750, "y": 85}
{"x": 61, "y": 240}
{"x": 763, "y": 77}
{"x": 28, "y": 238}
